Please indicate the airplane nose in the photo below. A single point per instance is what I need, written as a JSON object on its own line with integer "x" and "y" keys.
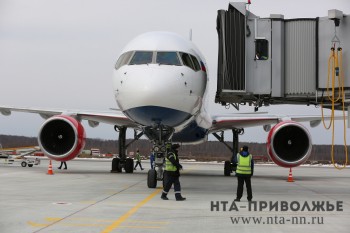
{"x": 155, "y": 95}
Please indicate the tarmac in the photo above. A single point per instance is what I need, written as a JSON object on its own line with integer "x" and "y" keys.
{"x": 88, "y": 198}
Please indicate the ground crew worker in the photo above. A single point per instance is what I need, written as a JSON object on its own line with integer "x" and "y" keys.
{"x": 245, "y": 170}
{"x": 172, "y": 174}
{"x": 152, "y": 159}
{"x": 63, "y": 163}
{"x": 138, "y": 160}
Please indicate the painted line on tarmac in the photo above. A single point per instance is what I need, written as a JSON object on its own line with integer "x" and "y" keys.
{"x": 123, "y": 218}
{"x": 79, "y": 211}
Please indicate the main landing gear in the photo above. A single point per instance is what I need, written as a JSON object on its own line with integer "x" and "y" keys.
{"x": 160, "y": 135}
{"x": 229, "y": 167}
{"x": 122, "y": 161}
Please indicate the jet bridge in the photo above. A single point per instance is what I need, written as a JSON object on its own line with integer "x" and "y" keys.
{"x": 273, "y": 60}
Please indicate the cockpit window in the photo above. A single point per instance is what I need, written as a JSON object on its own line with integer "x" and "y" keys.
{"x": 159, "y": 57}
{"x": 123, "y": 59}
{"x": 141, "y": 57}
{"x": 195, "y": 63}
{"x": 186, "y": 59}
{"x": 190, "y": 61}
{"x": 168, "y": 58}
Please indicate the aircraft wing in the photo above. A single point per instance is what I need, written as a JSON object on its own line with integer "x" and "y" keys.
{"x": 115, "y": 117}
{"x": 232, "y": 121}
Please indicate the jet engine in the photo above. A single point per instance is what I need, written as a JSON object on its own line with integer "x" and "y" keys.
{"x": 61, "y": 138}
{"x": 289, "y": 144}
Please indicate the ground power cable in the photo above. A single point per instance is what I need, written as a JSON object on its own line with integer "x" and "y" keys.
{"x": 335, "y": 70}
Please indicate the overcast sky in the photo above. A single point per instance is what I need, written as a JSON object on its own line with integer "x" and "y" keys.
{"x": 61, "y": 53}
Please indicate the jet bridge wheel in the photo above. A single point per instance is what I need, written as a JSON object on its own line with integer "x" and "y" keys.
{"x": 129, "y": 165}
{"x": 152, "y": 178}
{"x": 227, "y": 168}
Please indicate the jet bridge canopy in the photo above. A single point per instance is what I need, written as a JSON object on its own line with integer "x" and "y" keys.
{"x": 273, "y": 60}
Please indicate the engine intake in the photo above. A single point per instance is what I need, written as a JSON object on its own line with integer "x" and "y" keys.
{"x": 289, "y": 144}
{"x": 61, "y": 138}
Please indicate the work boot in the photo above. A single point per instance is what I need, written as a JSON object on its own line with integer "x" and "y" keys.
{"x": 164, "y": 197}
{"x": 179, "y": 197}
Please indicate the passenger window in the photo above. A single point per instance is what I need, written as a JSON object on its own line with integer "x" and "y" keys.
{"x": 186, "y": 59}
{"x": 195, "y": 63}
{"x": 168, "y": 58}
{"x": 123, "y": 59}
{"x": 141, "y": 57}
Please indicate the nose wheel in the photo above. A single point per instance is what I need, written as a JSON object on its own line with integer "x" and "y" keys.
{"x": 157, "y": 173}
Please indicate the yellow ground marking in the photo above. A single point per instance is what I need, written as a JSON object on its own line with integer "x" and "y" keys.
{"x": 34, "y": 224}
{"x": 49, "y": 219}
{"x": 130, "y": 212}
{"x": 116, "y": 223}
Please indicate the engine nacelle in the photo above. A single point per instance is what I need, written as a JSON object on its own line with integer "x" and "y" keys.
{"x": 61, "y": 138}
{"x": 289, "y": 144}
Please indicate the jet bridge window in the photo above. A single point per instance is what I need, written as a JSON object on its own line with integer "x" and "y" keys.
{"x": 261, "y": 49}
{"x": 124, "y": 59}
{"x": 168, "y": 58}
{"x": 141, "y": 57}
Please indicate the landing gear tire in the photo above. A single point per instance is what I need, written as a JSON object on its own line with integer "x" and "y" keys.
{"x": 129, "y": 165}
{"x": 152, "y": 179}
{"x": 30, "y": 165}
{"x": 115, "y": 165}
{"x": 227, "y": 168}
{"x": 23, "y": 164}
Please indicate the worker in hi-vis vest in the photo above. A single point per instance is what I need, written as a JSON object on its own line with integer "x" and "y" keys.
{"x": 172, "y": 173}
{"x": 244, "y": 171}
{"x": 138, "y": 160}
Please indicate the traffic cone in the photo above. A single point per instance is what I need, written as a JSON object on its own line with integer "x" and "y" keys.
{"x": 290, "y": 177}
{"x": 49, "y": 170}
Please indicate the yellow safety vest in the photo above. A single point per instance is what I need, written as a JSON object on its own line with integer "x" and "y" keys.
{"x": 244, "y": 164}
{"x": 138, "y": 156}
{"x": 168, "y": 165}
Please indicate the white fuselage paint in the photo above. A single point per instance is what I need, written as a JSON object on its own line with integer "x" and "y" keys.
{"x": 167, "y": 87}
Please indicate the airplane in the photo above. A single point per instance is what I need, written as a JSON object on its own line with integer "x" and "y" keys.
{"x": 160, "y": 85}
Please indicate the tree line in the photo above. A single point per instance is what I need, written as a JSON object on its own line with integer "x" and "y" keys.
{"x": 207, "y": 151}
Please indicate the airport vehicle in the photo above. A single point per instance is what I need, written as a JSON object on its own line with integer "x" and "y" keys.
{"x": 160, "y": 81}
{"x": 19, "y": 155}
{"x": 6, "y": 159}
{"x": 9, "y": 159}
{"x": 29, "y": 161}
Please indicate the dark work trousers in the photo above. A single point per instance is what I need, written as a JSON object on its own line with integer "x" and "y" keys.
{"x": 241, "y": 180}
{"x": 138, "y": 163}
{"x": 169, "y": 179}
{"x": 63, "y": 163}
